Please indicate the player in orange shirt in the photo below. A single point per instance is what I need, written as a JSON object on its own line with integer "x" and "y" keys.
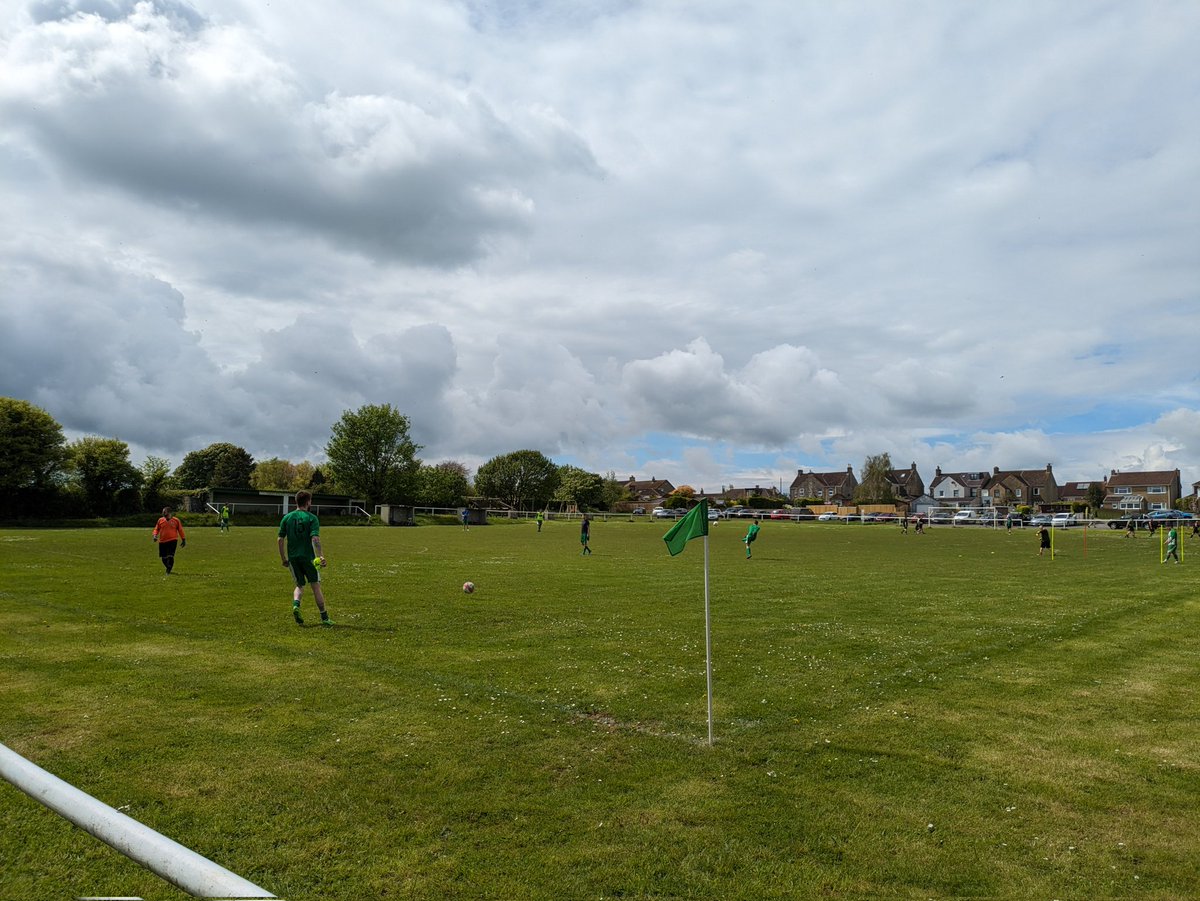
{"x": 168, "y": 533}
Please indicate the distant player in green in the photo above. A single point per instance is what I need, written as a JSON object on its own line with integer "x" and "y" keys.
{"x": 751, "y": 537}
{"x": 539, "y": 519}
{"x": 1172, "y": 545}
{"x": 300, "y": 551}
{"x": 585, "y": 535}
{"x": 224, "y": 518}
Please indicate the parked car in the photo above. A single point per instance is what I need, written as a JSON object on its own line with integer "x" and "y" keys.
{"x": 1122, "y": 522}
{"x": 827, "y": 517}
{"x": 802, "y": 513}
{"x": 1062, "y": 520}
{"x": 663, "y": 513}
{"x": 940, "y": 516}
{"x": 779, "y": 514}
{"x": 1170, "y": 516}
{"x": 1041, "y": 519}
{"x": 639, "y": 511}
{"x": 713, "y": 514}
{"x": 964, "y": 517}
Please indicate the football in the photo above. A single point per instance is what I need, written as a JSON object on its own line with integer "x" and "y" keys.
{"x": 468, "y": 587}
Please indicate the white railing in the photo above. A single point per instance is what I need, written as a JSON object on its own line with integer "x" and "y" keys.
{"x": 180, "y": 866}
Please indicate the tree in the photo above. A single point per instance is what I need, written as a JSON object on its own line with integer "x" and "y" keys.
{"x": 32, "y": 452}
{"x": 372, "y": 455}
{"x": 273, "y": 475}
{"x": 614, "y": 492}
{"x": 101, "y": 468}
{"x": 524, "y": 479}
{"x": 1095, "y": 497}
{"x": 579, "y": 487}
{"x": 444, "y": 484}
{"x": 303, "y": 476}
{"x": 155, "y": 472}
{"x": 876, "y": 484}
{"x": 220, "y": 465}
{"x": 233, "y": 469}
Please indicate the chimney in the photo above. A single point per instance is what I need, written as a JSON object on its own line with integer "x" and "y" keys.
{"x": 995, "y": 470}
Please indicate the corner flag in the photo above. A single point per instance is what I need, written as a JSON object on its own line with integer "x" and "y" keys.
{"x": 694, "y": 525}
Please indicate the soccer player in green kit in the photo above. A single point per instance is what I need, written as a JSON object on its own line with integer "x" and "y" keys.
{"x": 300, "y": 551}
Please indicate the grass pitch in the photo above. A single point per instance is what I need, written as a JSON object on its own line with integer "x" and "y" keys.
{"x": 896, "y": 716}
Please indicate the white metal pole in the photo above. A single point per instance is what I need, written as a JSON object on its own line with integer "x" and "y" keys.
{"x": 708, "y": 644}
{"x": 182, "y": 867}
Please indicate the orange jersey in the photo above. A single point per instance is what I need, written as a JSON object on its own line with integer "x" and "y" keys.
{"x": 168, "y": 529}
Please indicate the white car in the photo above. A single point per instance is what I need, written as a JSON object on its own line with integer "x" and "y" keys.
{"x": 827, "y": 517}
{"x": 965, "y": 516}
{"x": 1062, "y": 520}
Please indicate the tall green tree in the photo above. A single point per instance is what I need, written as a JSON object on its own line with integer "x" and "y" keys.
{"x": 101, "y": 468}
{"x": 220, "y": 465}
{"x": 614, "y": 492}
{"x": 579, "y": 487}
{"x": 876, "y": 484}
{"x": 155, "y": 472}
{"x": 524, "y": 479}
{"x": 32, "y": 447}
{"x": 1095, "y": 497}
{"x": 273, "y": 475}
{"x": 444, "y": 484}
{"x": 371, "y": 455}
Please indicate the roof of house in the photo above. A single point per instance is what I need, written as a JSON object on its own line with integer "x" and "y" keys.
{"x": 1076, "y": 489}
{"x": 973, "y": 479}
{"x": 828, "y": 479}
{"x": 1031, "y": 477}
{"x": 1134, "y": 479}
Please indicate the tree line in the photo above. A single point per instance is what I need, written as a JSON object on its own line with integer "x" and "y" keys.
{"x": 370, "y": 455}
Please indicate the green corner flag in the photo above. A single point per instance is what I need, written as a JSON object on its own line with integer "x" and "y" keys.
{"x": 694, "y": 525}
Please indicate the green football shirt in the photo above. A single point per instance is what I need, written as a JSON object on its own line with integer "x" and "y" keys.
{"x": 299, "y": 527}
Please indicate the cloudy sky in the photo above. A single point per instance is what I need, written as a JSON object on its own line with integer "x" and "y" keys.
{"x": 714, "y": 242}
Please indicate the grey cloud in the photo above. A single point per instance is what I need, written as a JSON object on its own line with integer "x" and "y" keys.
{"x": 207, "y": 122}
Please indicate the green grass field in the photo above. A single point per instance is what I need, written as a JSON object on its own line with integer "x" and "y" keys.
{"x": 896, "y": 716}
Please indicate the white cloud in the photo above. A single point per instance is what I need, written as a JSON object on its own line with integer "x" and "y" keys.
{"x": 720, "y": 241}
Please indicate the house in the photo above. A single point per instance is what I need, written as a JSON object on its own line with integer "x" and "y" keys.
{"x": 1077, "y": 492}
{"x": 737, "y": 495}
{"x": 906, "y": 484}
{"x": 649, "y": 490}
{"x": 1141, "y": 492}
{"x": 1016, "y": 487}
{"x": 957, "y": 489}
{"x": 826, "y": 487}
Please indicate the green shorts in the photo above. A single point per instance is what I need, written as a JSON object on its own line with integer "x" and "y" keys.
{"x": 303, "y": 570}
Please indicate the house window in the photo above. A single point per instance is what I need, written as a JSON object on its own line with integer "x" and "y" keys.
{"x": 1037, "y": 492}
{"x": 1158, "y": 506}
{"x": 941, "y": 492}
{"x": 1122, "y": 490}
{"x": 974, "y": 492}
{"x": 1156, "y": 489}
{"x": 956, "y": 492}
{"x": 1130, "y": 504}
{"x": 1016, "y": 492}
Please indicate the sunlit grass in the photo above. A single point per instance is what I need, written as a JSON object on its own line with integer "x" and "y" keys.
{"x": 895, "y": 716}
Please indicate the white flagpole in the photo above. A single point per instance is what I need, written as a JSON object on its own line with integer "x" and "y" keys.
{"x": 707, "y": 643}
